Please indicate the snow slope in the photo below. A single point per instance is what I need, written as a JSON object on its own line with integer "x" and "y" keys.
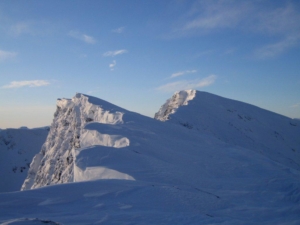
{"x": 17, "y": 148}
{"x": 236, "y": 123}
{"x": 131, "y": 169}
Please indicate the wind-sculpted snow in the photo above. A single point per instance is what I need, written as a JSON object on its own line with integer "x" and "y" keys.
{"x": 238, "y": 124}
{"x": 55, "y": 163}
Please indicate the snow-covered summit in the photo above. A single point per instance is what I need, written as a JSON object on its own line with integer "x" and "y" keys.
{"x": 237, "y": 123}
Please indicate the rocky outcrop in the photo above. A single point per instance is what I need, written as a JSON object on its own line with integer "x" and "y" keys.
{"x": 170, "y": 107}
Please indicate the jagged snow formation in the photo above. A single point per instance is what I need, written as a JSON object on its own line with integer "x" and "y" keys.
{"x": 55, "y": 162}
{"x": 17, "y": 148}
{"x": 170, "y": 107}
{"x": 237, "y": 123}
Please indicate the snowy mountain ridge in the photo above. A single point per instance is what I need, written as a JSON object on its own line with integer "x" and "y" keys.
{"x": 202, "y": 165}
{"x": 77, "y": 127}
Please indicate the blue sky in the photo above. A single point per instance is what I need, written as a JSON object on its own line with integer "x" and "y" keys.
{"x": 135, "y": 54}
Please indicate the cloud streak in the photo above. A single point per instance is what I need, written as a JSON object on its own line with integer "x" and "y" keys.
{"x": 181, "y": 73}
{"x": 119, "y": 30}
{"x": 297, "y": 105}
{"x": 208, "y": 16}
{"x": 115, "y": 53}
{"x": 5, "y": 55}
{"x": 112, "y": 65}
{"x": 279, "y": 22}
{"x": 28, "y": 83}
{"x": 217, "y": 16}
{"x": 20, "y": 28}
{"x": 205, "y": 17}
{"x": 187, "y": 84}
{"x": 83, "y": 37}
{"x": 273, "y": 50}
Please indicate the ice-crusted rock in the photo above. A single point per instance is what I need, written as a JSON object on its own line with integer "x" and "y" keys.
{"x": 55, "y": 162}
{"x": 236, "y": 123}
{"x": 170, "y": 107}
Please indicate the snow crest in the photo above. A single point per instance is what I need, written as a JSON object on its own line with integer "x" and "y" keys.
{"x": 170, "y": 107}
{"x": 56, "y": 161}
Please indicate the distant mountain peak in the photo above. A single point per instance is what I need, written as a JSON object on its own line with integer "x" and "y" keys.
{"x": 237, "y": 123}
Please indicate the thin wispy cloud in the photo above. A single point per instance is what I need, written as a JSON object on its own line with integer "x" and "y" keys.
{"x": 83, "y": 55}
{"x": 273, "y": 50}
{"x": 283, "y": 20}
{"x": 297, "y": 105}
{"x": 31, "y": 27}
{"x": 217, "y": 16}
{"x": 205, "y": 17}
{"x": 112, "y": 65}
{"x": 20, "y": 28}
{"x": 229, "y": 51}
{"x": 209, "y": 16}
{"x": 279, "y": 22}
{"x": 119, "y": 30}
{"x": 187, "y": 84}
{"x": 181, "y": 73}
{"x": 27, "y": 83}
{"x": 115, "y": 53}
{"x": 5, "y": 55}
{"x": 204, "y": 53}
{"x": 83, "y": 37}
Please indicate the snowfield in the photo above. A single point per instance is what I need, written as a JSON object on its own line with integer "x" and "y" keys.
{"x": 17, "y": 148}
{"x": 203, "y": 160}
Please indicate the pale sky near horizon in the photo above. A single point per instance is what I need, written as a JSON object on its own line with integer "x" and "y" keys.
{"x": 136, "y": 54}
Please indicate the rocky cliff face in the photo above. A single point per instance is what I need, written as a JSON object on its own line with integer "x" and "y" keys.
{"x": 54, "y": 164}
